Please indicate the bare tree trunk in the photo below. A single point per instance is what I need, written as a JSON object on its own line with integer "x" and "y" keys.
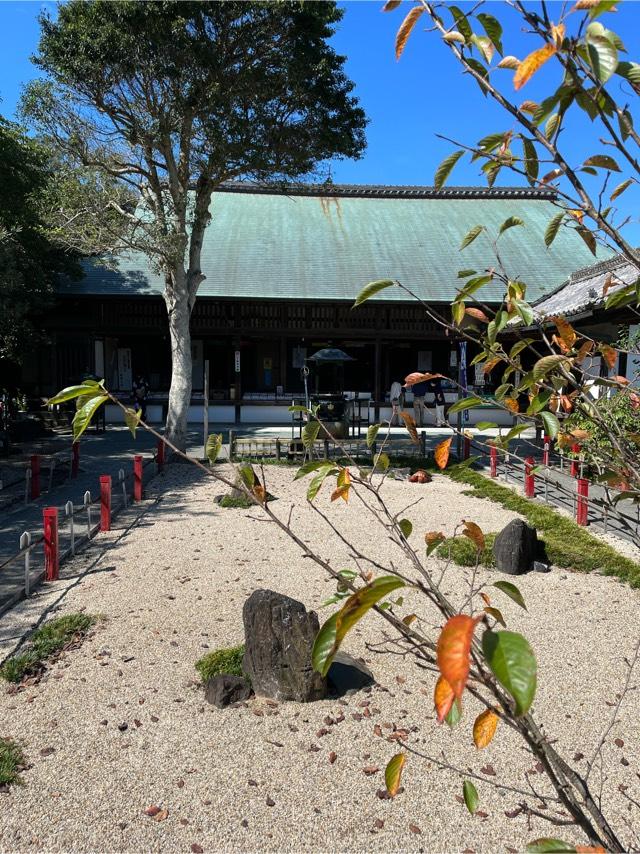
{"x": 181, "y": 371}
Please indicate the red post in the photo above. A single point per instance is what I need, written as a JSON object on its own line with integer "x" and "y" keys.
{"x": 493, "y": 461}
{"x": 35, "y": 477}
{"x": 75, "y": 459}
{"x": 582, "y": 504}
{"x": 137, "y": 478}
{"x": 160, "y": 457}
{"x": 529, "y": 479}
{"x": 51, "y": 554}
{"x": 546, "y": 449}
{"x": 575, "y": 463}
{"x": 105, "y": 502}
{"x": 466, "y": 448}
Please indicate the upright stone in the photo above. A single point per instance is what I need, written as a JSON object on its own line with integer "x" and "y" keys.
{"x": 515, "y": 548}
{"x": 279, "y": 635}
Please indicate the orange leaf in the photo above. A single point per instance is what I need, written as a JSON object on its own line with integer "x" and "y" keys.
{"x": 529, "y": 107}
{"x": 620, "y": 380}
{"x": 485, "y": 599}
{"x": 635, "y": 401}
{"x": 585, "y": 348}
{"x": 567, "y": 405}
{"x": 560, "y": 344}
{"x": 260, "y": 493}
{"x": 490, "y": 364}
{"x": 590, "y": 849}
{"x": 417, "y": 377}
{"x": 608, "y": 283}
{"x": 390, "y": 5}
{"x": 474, "y": 532}
{"x": 609, "y": 354}
{"x": 580, "y": 434}
{"x": 484, "y": 728}
{"x": 512, "y": 404}
{"x": 565, "y": 330}
{"x": 477, "y": 313}
{"x": 405, "y": 29}
{"x": 551, "y": 176}
{"x": 433, "y": 537}
{"x": 531, "y": 64}
{"x": 557, "y": 34}
{"x": 443, "y": 698}
{"x": 441, "y": 453}
{"x": 453, "y": 651}
{"x": 409, "y": 619}
{"x": 410, "y": 424}
{"x": 341, "y": 492}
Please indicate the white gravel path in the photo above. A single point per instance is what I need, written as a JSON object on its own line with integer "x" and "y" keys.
{"x": 260, "y": 777}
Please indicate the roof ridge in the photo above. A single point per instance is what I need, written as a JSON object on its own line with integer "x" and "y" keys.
{"x": 404, "y": 191}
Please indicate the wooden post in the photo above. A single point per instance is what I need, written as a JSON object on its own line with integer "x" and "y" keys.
{"x": 137, "y": 478}
{"x": 582, "y": 504}
{"x": 205, "y": 412}
{"x": 423, "y": 443}
{"x": 160, "y": 455}
{"x": 493, "y": 461}
{"x": 35, "y": 477}
{"x": 326, "y": 449}
{"x": 105, "y": 502}
{"x": 529, "y": 479}
{"x": 466, "y": 453}
{"x": 75, "y": 459}
{"x": 232, "y": 441}
{"x": 278, "y": 450}
{"x": 51, "y": 553}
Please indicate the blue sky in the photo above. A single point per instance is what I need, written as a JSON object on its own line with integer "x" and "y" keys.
{"x": 408, "y": 102}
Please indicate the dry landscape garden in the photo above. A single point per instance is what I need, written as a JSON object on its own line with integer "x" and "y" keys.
{"x": 344, "y": 632}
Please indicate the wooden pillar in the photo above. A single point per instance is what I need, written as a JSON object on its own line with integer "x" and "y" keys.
{"x": 283, "y": 363}
{"x": 237, "y": 379}
{"x": 377, "y": 366}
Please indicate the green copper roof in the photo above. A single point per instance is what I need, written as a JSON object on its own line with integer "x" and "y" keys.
{"x": 327, "y": 241}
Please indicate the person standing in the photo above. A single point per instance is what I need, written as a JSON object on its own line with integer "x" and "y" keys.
{"x": 396, "y": 397}
{"x": 140, "y": 391}
{"x": 419, "y": 390}
{"x": 435, "y": 387}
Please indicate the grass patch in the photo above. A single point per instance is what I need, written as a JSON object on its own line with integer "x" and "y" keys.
{"x": 240, "y": 501}
{"x": 221, "y": 661}
{"x": 12, "y": 761}
{"x": 568, "y": 545}
{"x": 462, "y": 551}
{"x": 45, "y": 643}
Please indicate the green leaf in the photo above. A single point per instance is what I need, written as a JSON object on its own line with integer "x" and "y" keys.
{"x": 406, "y": 527}
{"x": 513, "y": 663}
{"x": 619, "y": 190}
{"x": 308, "y": 467}
{"x": 515, "y": 432}
{"x": 471, "y": 235}
{"x": 546, "y": 845}
{"x": 314, "y": 487}
{"x": 486, "y": 425}
{"x": 519, "y": 346}
{"x": 310, "y": 433}
{"x": 510, "y": 223}
{"x": 470, "y": 794}
{"x": 624, "y": 296}
{"x": 603, "y": 57}
{"x": 132, "y": 419}
{"x": 454, "y": 714}
{"x": 69, "y": 393}
{"x": 462, "y": 22}
{"x": 465, "y": 403}
{"x": 381, "y": 462}
{"x": 531, "y": 165}
{"x": 298, "y": 408}
{"x": 464, "y": 274}
{"x": 551, "y": 424}
{"x": 371, "y": 289}
{"x": 247, "y": 475}
{"x": 602, "y": 161}
{"x": 588, "y": 237}
{"x": 552, "y": 228}
{"x": 372, "y": 432}
{"x": 630, "y": 71}
{"x": 444, "y": 169}
{"x": 83, "y": 416}
{"x": 493, "y": 29}
{"x": 393, "y": 773}
{"x": 546, "y": 364}
{"x": 474, "y": 285}
{"x": 511, "y": 591}
{"x": 552, "y": 125}
{"x": 524, "y": 310}
{"x": 214, "y": 444}
{"x": 333, "y": 632}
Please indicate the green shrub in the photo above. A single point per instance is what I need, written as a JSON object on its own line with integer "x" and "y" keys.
{"x": 462, "y": 551}
{"x": 221, "y": 661}
{"x": 12, "y": 761}
{"x": 617, "y": 415}
{"x": 45, "y": 642}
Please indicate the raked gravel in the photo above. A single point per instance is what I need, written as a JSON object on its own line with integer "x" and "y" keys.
{"x": 260, "y": 777}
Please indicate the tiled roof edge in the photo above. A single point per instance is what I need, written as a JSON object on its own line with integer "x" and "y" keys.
{"x": 382, "y": 191}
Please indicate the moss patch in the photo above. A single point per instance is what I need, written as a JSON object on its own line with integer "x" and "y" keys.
{"x": 221, "y": 661}
{"x": 12, "y": 761}
{"x": 463, "y": 552}
{"x": 568, "y": 545}
{"x": 241, "y": 501}
{"x": 44, "y": 644}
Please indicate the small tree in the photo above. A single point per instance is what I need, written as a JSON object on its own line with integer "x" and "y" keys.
{"x": 168, "y": 101}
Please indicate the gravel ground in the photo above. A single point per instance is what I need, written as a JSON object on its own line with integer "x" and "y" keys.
{"x": 121, "y": 724}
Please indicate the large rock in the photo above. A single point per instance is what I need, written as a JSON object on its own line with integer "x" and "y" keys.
{"x": 279, "y": 635}
{"x": 348, "y": 674}
{"x": 224, "y": 689}
{"x": 515, "y": 548}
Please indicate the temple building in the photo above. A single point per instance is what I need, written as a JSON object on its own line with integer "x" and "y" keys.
{"x": 282, "y": 268}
